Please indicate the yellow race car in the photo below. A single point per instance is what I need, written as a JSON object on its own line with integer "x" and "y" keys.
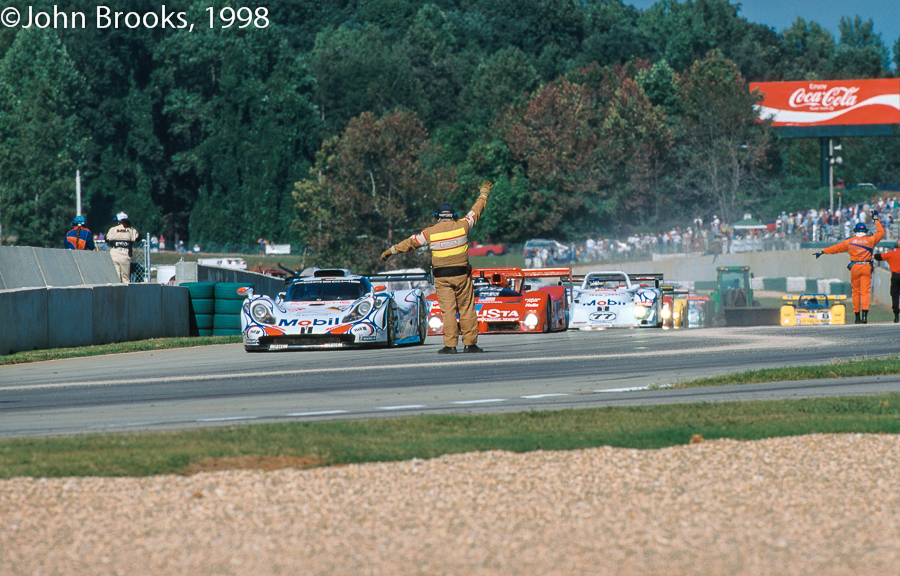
{"x": 812, "y": 309}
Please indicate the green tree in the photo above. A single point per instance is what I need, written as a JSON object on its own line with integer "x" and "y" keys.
{"x": 42, "y": 140}
{"x": 357, "y": 71}
{"x": 240, "y": 130}
{"x": 500, "y": 81}
{"x": 860, "y": 52}
{"x": 724, "y": 148}
{"x": 429, "y": 46}
{"x": 683, "y": 33}
{"x": 554, "y": 138}
{"x": 808, "y": 52}
{"x": 372, "y": 186}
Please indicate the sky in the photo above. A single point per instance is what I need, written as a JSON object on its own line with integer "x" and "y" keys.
{"x": 780, "y": 14}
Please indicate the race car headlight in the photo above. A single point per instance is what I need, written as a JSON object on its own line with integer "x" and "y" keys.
{"x": 435, "y": 323}
{"x": 358, "y": 312}
{"x": 260, "y": 312}
{"x": 531, "y": 320}
{"x": 666, "y": 311}
{"x": 640, "y": 311}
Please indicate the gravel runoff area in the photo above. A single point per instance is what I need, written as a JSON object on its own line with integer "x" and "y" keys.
{"x": 818, "y": 504}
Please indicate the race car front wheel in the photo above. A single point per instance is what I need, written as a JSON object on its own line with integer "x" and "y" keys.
{"x": 389, "y": 325}
{"x": 423, "y": 322}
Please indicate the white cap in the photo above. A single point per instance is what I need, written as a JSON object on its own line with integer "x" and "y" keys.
{"x": 121, "y": 216}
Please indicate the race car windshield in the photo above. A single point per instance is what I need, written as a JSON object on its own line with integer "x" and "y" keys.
{"x": 607, "y": 283}
{"x": 316, "y": 291}
{"x": 491, "y": 291}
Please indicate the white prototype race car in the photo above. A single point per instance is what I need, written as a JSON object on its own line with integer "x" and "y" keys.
{"x": 334, "y": 309}
{"x": 615, "y": 300}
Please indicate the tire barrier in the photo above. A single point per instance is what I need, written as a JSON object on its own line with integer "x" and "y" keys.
{"x": 227, "y": 318}
{"x": 202, "y": 308}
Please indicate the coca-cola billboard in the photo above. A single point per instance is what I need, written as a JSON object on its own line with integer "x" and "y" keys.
{"x": 830, "y": 102}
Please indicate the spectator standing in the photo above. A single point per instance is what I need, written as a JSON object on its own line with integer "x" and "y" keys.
{"x": 79, "y": 237}
{"x": 121, "y": 238}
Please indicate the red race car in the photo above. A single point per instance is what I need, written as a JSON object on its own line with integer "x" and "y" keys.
{"x": 515, "y": 300}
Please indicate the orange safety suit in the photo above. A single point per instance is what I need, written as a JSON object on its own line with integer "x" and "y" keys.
{"x": 449, "y": 243}
{"x": 861, "y": 250}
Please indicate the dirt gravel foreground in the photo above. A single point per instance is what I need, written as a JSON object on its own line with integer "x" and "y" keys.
{"x": 819, "y": 504}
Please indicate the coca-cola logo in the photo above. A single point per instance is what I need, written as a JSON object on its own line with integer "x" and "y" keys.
{"x": 820, "y": 96}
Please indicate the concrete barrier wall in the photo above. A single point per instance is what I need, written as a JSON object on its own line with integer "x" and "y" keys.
{"x": 775, "y": 264}
{"x": 42, "y": 318}
{"x": 24, "y": 320}
{"x": 27, "y": 267}
{"x": 262, "y": 283}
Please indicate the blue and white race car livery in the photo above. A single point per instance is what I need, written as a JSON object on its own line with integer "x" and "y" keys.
{"x": 333, "y": 309}
{"x": 616, "y": 299}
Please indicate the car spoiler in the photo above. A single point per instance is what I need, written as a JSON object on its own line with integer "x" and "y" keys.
{"x": 828, "y": 297}
{"x": 401, "y": 277}
{"x": 655, "y": 278}
{"x": 673, "y": 291}
{"x": 511, "y": 272}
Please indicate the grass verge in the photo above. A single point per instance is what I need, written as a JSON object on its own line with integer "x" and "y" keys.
{"x": 858, "y": 367}
{"x": 137, "y": 346}
{"x": 304, "y": 445}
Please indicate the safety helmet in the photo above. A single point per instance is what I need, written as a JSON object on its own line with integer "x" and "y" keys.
{"x": 596, "y": 283}
{"x": 445, "y": 211}
{"x": 78, "y": 221}
{"x": 121, "y": 216}
{"x": 860, "y": 227}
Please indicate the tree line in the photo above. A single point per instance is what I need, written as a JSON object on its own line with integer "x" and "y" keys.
{"x": 340, "y": 125}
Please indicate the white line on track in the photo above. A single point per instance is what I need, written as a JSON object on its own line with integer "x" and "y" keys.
{"x": 226, "y": 418}
{"x": 320, "y": 413}
{"x": 407, "y": 407}
{"x": 485, "y": 401}
{"x": 536, "y": 396}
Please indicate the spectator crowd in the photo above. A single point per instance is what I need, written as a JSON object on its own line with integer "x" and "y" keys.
{"x": 786, "y": 231}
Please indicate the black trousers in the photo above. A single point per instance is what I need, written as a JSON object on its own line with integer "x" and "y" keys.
{"x": 895, "y": 291}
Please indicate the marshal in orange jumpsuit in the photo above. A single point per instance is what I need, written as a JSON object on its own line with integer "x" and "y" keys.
{"x": 861, "y": 248}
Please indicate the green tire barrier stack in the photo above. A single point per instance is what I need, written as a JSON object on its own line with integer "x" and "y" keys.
{"x": 202, "y": 308}
{"x": 227, "y": 316}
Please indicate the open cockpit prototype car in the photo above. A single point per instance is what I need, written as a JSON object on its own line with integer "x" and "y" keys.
{"x": 334, "y": 309}
{"x": 683, "y": 308}
{"x": 812, "y": 309}
{"x": 616, "y": 299}
{"x": 515, "y": 300}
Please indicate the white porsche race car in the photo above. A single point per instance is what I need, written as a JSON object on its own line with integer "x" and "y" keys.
{"x": 616, "y": 299}
{"x": 334, "y": 309}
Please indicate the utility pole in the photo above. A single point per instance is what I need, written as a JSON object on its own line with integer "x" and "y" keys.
{"x": 832, "y": 160}
{"x": 78, "y": 192}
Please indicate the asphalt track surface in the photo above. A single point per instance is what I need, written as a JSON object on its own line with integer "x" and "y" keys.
{"x": 224, "y": 385}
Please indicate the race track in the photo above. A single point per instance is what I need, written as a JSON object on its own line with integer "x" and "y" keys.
{"x": 223, "y": 385}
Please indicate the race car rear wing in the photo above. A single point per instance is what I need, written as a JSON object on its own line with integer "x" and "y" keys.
{"x": 654, "y": 278}
{"x": 669, "y": 290}
{"x": 829, "y": 298}
{"x": 401, "y": 277}
{"x": 510, "y": 272}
